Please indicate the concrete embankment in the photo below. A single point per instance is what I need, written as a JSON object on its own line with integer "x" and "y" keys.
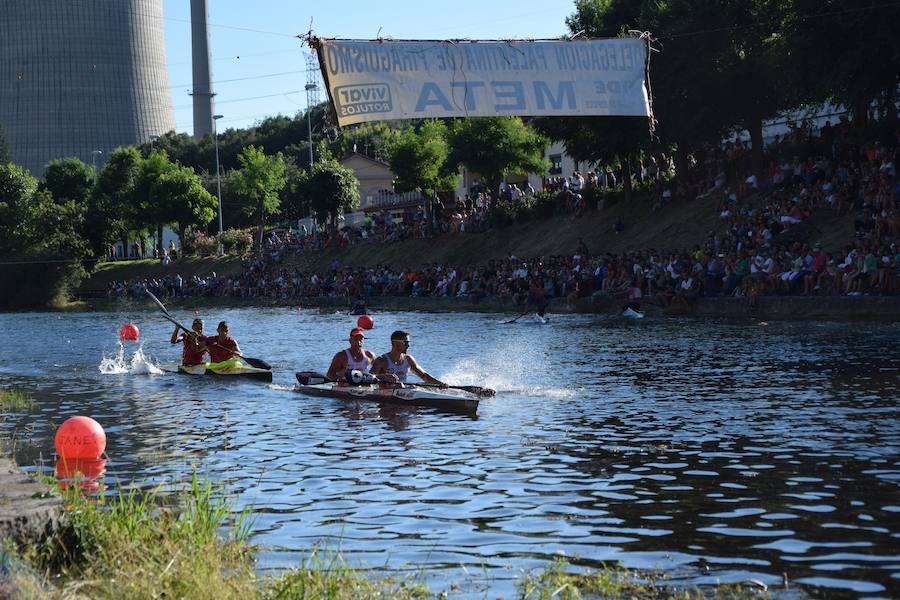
{"x": 30, "y": 511}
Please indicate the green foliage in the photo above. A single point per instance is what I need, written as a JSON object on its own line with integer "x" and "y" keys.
{"x": 844, "y": 51}
{"x": 137, "y": 547}
{"x": 497, "y": 146}
{"x": 332, "y": 189}
{"x": 184, "y": 199}
{"x": 259, "y": 180}
{"x": 69, "y": 179}
{"x": 18, "y": 212}
{"x": 419, "y": 159}
{"x": 40, "y": 241}
{"x": 111, "y": 210}
{"x": 236, "y": 242}
{"x": 15, "y": 400}
{"x": 327, "y": 575}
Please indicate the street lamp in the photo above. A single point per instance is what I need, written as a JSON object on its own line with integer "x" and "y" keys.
{"x": 218, "y": 178}
{"x": 94, "y": 155}
{"x": 310, "y": 87}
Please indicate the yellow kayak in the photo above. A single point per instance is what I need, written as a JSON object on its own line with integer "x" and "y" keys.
{"x": 230, "y": 368}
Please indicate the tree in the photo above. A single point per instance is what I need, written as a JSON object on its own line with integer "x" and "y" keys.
{"x": 419, "y": 159}
{"x": 18, "y": 211}
{"x": 495, "y": 147}
{"x": 846, "y": 52}
{"x": 714, "y": 73}
{"x": 111, "y": 211}
{"x": 43, "y": 234}
{"x": 153, "y": 207}
{"x": 294, "y": 197}
{"x": 68, "y": 179}
{"x": 185, "y": 199}
{"x": 332, "y": 189}
{"x": 605, "y": 140}
{"x": 259, "y": 179}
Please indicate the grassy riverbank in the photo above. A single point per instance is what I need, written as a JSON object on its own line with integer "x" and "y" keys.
{"x": 192, "y": 545}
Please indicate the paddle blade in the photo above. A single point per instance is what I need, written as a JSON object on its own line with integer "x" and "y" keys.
{"x": 257, "y": 363}
{"x": 477, "y": 390}
{"x": 311, "y": 378}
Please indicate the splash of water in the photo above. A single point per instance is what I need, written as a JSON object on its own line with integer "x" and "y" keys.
{"x": 138, "y": 364}
{"x": 495, "y": 372}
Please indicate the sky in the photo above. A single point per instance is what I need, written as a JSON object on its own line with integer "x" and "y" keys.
{"x": 259, "y": 66}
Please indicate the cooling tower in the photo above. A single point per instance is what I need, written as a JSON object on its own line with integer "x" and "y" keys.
{"x": 78, "y": 76}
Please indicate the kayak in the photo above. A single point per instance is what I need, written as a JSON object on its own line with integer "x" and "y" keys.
{"x": 445, "y": 399}
{"x": 235, "y": 370}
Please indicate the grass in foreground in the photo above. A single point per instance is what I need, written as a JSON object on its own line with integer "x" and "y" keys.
{"x": 15, "y": 400}
{"x": 153, "y": 546}
{"x": 556, "y": 583}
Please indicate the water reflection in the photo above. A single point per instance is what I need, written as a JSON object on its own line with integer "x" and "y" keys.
{"x": 714, "y": 451}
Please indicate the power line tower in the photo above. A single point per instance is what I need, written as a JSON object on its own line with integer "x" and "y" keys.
{"x": 312, "y": 96}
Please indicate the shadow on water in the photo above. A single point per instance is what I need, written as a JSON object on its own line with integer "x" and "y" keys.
{"x": 716, "y": 452}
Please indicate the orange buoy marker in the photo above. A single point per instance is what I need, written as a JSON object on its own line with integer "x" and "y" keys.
{"x": 366, "y": 322}
{"x": 129, "y": 332}
{"x": 80, "y": 437}
{"x": 80, "y": 473}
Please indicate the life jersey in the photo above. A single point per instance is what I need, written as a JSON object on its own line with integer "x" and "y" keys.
{"x": 361, "y": 365}
{"x": 189, "y": 356}
{"x": 218, "y": 353}
{"x": 401, "y": 370}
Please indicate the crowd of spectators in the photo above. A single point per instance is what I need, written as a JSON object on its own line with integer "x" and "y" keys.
{"x": 760, "y": 246}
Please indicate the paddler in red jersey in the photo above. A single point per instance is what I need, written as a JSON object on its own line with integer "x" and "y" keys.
{"x": 194, "y": 346}
{"x": 537, "y": 297}
{"x": 398, "y": 363}
{"x": 221, "y": 347}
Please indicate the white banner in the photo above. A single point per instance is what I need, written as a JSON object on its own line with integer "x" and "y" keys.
{"x": 385, "y": 80}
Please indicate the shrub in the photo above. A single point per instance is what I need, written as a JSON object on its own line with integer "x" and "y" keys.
{"x": 236, "y": 242}
{"x": 202, "y": 245}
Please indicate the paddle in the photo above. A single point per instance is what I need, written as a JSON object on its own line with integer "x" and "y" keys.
{"x": 313, "y": 378}
{"x": 530, "y": 309}
{"x": 472, "y": 389}
{"x": 256, "y": 363}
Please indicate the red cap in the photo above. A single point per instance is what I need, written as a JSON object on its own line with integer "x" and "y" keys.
{"x": 357, "y": 331}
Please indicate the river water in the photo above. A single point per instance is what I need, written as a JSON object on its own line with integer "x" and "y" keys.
{"x": 715, "y": 452}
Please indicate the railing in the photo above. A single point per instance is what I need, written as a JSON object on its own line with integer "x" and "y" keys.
{"x": 390, "y": 200}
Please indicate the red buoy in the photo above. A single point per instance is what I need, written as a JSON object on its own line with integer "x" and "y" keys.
{"x": 80, "y": 437}
{"x": 129, "y": 332}
{"x": 82, "y": 473}
{"x": 366, "y": 322}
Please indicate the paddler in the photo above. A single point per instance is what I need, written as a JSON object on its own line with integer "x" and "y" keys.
{"x": 537, "y": 297}
{"x": 221, "y": 347}
{"x": 399, "y": 363}
{"x": 194, "y": 347}
{"x": 353, "y": 358}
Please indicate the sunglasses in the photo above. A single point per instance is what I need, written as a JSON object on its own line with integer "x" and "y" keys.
{"x": 403, "y": 342}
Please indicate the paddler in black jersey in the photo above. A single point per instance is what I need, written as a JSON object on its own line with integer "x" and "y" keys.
{"x": 399, "y": 363}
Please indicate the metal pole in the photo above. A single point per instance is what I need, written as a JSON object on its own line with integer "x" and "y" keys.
{"x": 218, "y": 177}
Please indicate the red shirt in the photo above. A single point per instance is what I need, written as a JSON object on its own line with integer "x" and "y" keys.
{"x": 189, "y": 356}
{"x": 218, "y": 353}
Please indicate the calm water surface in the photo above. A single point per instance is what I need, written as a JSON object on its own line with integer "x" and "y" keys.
{"x": 716, "y": 452}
